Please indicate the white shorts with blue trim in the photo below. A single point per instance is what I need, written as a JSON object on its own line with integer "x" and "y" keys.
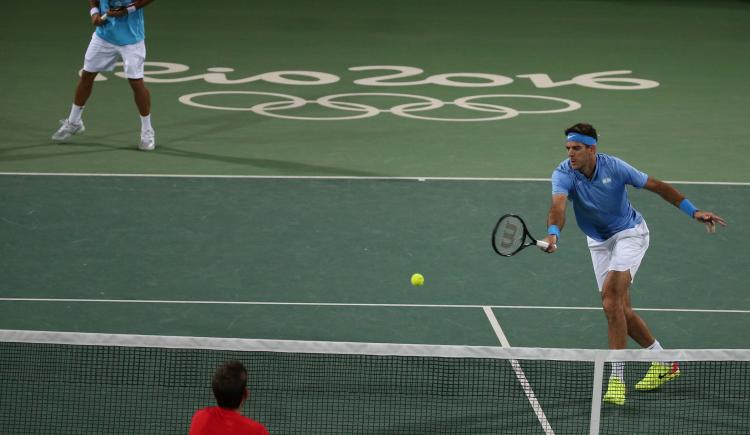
{"x": 102, "y": 56}
{"x": 621, "y": 252}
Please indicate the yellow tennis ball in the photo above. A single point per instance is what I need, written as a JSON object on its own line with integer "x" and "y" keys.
{"x": 417, "y": 279}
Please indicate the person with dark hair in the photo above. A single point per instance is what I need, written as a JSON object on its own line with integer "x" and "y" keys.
{"x": 229, "y": 385}
{"x": 617, "y": 238}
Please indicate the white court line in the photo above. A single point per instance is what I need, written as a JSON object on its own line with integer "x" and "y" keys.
{"x": 330, "y": 177}
{"x": 347, "y": 304}
{"x": 520, "y": 375}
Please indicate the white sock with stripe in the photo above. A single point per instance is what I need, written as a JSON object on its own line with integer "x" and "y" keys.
{"x": 655, "y": 346}
{"x": 146, "y": 122}
{"x": 75, "y": 114}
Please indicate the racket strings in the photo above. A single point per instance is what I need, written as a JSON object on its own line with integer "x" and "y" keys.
{"x": 509, "y": 235}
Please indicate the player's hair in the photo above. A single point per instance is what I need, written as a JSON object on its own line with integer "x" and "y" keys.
{"x": 582, "y": 128}
{"x": 229, "y": 384}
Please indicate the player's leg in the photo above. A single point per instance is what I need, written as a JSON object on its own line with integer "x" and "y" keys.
{"x": 637, "y": 328}
{"x": 73, "y": 124}
{"x": 660, "y": 372}
{"x": 629, "y": 253}
{"x": 100, "y": 56}
{"x": 141, "y": 95}
{"x": 134, "y": 58}
{"x": 84, "y": 88}
{"x": 601, "y": 258}
{"x": 614, "y": 294}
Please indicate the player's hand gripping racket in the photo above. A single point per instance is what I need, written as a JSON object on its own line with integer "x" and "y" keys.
{"x": 511, "y": 236}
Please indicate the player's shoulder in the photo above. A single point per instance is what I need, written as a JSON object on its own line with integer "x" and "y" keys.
{"x": 614, "y": 163}
{"x": 564, "y": 167}
{"x": 612, "y": 160}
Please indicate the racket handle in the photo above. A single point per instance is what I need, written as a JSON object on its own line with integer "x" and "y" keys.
{"x": 103, "y": 17}
{"x": 542, "y": 244}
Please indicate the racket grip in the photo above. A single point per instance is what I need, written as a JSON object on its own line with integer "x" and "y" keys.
{"x": 103, "y": 17}
{"x": 542, "y": 244}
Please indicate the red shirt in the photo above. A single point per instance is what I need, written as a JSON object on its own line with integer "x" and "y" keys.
{"x": 220, "y": 421}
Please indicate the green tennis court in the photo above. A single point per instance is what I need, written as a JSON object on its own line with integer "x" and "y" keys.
{"x": 312, "y": 156}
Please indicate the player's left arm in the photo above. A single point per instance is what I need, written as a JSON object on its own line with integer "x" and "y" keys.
{"x": 674, "y": 197}
{"x": 137, "y": 4}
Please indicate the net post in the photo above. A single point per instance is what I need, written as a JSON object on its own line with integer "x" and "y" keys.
{"x": 596, "y": 394}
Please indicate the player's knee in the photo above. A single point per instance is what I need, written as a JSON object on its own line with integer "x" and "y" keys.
{"x": 612, "y": 303}
{"x": 137, "y": 84}
{"x": 88, "y": 76}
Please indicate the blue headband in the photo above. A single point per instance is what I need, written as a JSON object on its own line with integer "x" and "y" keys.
{"x": 582, "y": 138}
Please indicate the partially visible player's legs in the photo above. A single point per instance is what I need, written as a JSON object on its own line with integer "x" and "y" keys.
{"x": 100, "y": 56}
{"x": 142, "y": 96}
{"x": 614, "y": 295}
{"x": 637, "y": 328}
{"x": 73, "y": 124}
{"x": 84, "y": 88}
{"x": 143, "y": 101}
{"x": 660, "y": 372}
{"x": 133, "y": 59}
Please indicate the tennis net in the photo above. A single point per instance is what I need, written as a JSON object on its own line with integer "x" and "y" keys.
{"x": 73, "y": 383}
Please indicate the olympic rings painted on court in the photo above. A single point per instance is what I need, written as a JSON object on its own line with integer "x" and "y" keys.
{"x": 412, "y": 110}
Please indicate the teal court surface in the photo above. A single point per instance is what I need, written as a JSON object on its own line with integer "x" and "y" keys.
{"x": 311, "y": 156}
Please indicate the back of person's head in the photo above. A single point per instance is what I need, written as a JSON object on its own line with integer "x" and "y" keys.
{"x": 584, "y": 129}
{"x": 230, "y": 384}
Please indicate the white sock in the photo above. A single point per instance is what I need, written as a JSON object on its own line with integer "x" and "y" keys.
{"x": 618, "y": 369}
{"x": 146, "y": 122}
{"x": 75, "y": 114}
{"x": 655, "y": 346}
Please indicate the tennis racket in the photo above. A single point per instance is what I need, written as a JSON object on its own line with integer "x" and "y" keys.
{"x": 510, "y": 236}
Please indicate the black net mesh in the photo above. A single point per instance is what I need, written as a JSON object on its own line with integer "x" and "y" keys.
{"x": 75, "y": 389}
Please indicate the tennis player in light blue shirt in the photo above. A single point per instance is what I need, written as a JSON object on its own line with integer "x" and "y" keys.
{"x": 119, "y": 37}
{"x": 618, "y": 238}
{"x": 601, "y": 203}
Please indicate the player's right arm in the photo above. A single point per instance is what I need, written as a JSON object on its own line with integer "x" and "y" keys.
{"x": 556, "y": 217}
{"x": 96, "y": 15}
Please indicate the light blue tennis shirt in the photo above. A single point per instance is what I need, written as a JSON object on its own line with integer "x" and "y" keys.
{"x": 601, "y": 204}
{"x": 124, "y": 30}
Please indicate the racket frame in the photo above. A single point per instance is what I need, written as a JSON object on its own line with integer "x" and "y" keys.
{"x": 526, "y": 235}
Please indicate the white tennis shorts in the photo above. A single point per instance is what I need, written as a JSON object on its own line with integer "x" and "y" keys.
{"x": 102, "y": 56}
{"x": 621, "y": 252}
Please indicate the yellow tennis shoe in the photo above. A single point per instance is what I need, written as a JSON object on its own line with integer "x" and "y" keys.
{"x": 615, "y": 391}
{"x": 658, "y": 374}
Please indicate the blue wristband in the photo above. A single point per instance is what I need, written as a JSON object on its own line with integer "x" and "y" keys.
{"x": 554, "y": 230}
{"x": 688, "y": 208}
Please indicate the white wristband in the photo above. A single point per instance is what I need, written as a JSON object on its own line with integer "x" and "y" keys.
{"x": 131, "y": 9}
{"x": 93, "y": 11}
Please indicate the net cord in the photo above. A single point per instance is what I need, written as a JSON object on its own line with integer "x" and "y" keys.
{"x": 352, "y": 348}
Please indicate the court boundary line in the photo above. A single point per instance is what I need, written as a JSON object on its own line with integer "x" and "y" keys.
{"x": 330, "y": 177}
{"x": 352, "y": 304}
{"x": 520, "y": 375}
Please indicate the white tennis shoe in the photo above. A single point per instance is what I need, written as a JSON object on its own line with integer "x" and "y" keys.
{"x": 148, "y": 140}
{"x": 66, "y": 130}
